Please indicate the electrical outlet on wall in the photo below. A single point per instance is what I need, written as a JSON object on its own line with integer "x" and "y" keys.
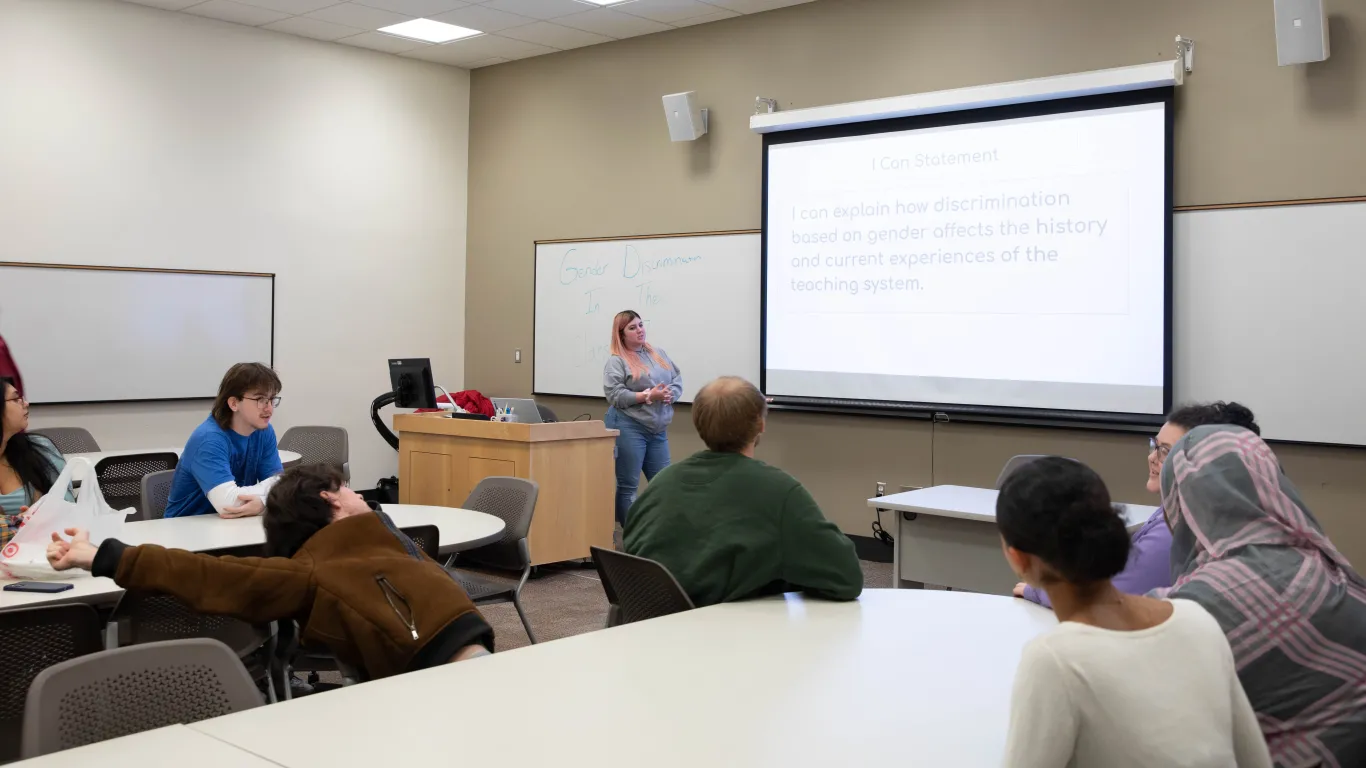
{"x": 516, "y": 355}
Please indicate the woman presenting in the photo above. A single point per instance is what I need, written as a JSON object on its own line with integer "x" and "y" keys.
{"x": 641, "y": 384}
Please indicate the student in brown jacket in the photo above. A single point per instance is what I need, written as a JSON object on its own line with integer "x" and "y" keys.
{"x": 352, "y": 580}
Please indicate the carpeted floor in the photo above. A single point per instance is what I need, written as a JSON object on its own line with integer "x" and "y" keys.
{"x": 568, "y": 600}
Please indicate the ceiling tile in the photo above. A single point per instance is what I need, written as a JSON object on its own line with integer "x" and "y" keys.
{"x": 539, "y": 9}
{"x": 666, "y": 11}
{"x": 719, "y": 15}
{"x": 755, "y": 6}
{"x": 170, "y": 5}
{"x": 468, "y": 51}
{"x": 423, "y": 8}
{"x": 226, "y": 10}
{"x": 483, "y": 18}
{"x": 555, "y": 36}
{"x": 292, "y": 7}
{"x": 486, "y": 63}
{"x": 318, "y": 30}
{"x": 378, "y": 41}
{"x": 358, "y": 16}
{"x": 612, "y": 24}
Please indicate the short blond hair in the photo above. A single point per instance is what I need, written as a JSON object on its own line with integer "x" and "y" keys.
{"x": 729, "y": 414}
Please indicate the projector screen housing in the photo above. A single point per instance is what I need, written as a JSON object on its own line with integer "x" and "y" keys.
{"x": 889, "y": 279}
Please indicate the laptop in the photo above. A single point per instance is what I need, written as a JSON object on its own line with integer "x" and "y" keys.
{"x": 523, "y": 409}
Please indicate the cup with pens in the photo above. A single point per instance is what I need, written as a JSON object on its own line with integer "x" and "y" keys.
{"x": 504, "y": 413}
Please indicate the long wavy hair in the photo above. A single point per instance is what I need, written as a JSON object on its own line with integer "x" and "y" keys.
{"x": 35, "y": 469}
{"x": 633, "y": 361}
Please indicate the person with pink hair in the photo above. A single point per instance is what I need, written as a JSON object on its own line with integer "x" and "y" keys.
{"x": 641, "y": 384}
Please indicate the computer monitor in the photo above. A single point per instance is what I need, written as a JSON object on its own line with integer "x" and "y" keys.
{"x": 411, "y": 380}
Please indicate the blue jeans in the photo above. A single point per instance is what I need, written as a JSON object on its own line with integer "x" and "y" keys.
{"x": 637, "y": 449}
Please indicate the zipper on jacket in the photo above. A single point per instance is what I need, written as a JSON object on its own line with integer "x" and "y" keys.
{"x": 390, "y": 592}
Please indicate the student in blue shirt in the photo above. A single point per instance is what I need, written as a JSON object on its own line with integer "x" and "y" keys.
{"x": 231, "y": 460}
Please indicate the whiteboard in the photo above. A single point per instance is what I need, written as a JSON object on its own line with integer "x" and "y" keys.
{"x": 1270, "y": 309}
{"x": 698, "y": 296}
{"x": 91, "y": 334}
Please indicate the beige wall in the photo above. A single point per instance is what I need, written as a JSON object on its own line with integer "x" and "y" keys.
{"x": 574, "y": 145}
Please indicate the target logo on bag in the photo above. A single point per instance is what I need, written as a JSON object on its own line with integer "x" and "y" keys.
{"x": 11, "y": 549}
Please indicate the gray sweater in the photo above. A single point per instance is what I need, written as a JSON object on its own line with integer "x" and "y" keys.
{"x": 621, "y": 388}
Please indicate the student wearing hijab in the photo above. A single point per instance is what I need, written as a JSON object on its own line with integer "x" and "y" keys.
{"x": 1150, "y": 565}
{"x": 1246, "y": 548}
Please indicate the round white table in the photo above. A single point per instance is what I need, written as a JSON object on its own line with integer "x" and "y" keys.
{"x": 287, "y": 458}
{"x": 896, "y": 678}
{"x": 458, "y": 530}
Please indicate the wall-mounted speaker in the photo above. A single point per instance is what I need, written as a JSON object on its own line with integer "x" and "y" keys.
{"x": 1301, "y": 32}
{"x": 686, "y": 120}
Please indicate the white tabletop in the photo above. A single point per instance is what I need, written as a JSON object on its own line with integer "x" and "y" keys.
{"x": 458, "y": 530}
{"x": 95, "y": 456}
{"x": 968, "y": 503}
{"x": 171, "y": 747}
{"x": 897, "y": 678}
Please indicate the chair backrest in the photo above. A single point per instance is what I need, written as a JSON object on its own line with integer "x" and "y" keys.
{"x": 129, "y": 690}
{"x": 69, "y": 439}
{"x": 1015, "y": 463}
{"x": 156, "y": 491}
{"x": 318, "y": 445}
{"x": 547, "y": 416}
{"x": 31, "y": 640}
{"x": 639, "y": 587}
{"x": 152, "y": 617}
{"x": 511, "y": 499}
{"x": 121, "y": 477}
{"x": 428, "y": 537}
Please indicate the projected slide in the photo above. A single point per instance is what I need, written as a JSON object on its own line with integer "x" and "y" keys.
{"x": 1017, "y": 263}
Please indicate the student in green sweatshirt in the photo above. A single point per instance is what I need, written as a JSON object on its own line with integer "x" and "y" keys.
{"x": 730, "y": 527}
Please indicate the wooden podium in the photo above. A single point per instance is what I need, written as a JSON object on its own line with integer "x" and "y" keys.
{"x": 441, "y": 459}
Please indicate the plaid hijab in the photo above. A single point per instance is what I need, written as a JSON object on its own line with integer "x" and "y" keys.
{"x": 1245, "y": 547}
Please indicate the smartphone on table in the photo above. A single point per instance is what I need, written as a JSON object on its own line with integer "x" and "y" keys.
{"x": 41, "y": 587}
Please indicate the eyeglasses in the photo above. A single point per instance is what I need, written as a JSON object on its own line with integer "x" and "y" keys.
{"x": 261, "y": 401}
{"x": 19, "y": 399}
{"x": 1159, "y": 449}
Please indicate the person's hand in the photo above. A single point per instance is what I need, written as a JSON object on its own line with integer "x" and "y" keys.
{"x": 78, "y": 553}
{"x": 1019, "y": 589}
{"x": 248, "y": 505}
{"x": 668, "y": 394}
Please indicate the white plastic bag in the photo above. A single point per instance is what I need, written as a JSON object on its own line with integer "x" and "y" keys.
{"x": 25, "y": 556}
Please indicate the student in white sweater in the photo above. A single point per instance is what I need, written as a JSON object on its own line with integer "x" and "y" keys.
{"x": 1124, "y": 680}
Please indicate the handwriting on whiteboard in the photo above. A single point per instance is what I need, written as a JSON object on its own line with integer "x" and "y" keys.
{"x": 579, "y": 267}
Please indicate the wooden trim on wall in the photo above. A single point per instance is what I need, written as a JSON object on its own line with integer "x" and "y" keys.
{"x": 650, "y": 237}
{"x": 1270, "y": 204}
{"x": 136, "y": 269}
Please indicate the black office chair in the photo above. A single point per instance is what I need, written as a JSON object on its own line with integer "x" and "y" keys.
{"x": 547, "y": 416}
{"x": 637, "y": 588}
{"x": 120, "y": 477}
{"x": 31, "y": 640}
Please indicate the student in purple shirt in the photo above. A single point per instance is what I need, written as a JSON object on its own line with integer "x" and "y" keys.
{"x": 1150, "y": 565}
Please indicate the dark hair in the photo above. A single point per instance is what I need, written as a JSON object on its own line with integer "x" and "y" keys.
{"x": 296, "y": 509}
{"x": 728, "y": 414}
{"x": 35, "y": 468}
{"x": 1194, "y": 415}
{"x": 237, "y": 382}
{"x": 1059, "y": 511}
